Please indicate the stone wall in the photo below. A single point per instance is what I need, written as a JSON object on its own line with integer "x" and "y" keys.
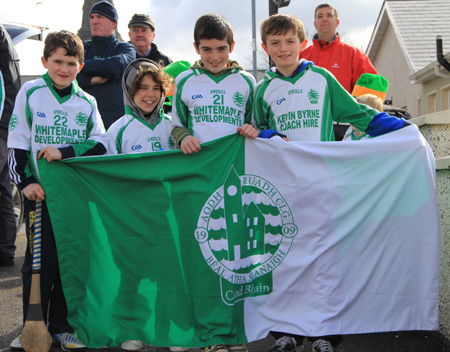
{"x": 436, "y": 129}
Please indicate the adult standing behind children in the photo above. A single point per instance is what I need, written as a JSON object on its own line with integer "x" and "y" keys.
{"x": 53, "y": 119}
{"x": 142, "y": 33}
{"x": 106, "y": 59}
{"x": 344, "y": 61}
{"x": 9, "y": 86}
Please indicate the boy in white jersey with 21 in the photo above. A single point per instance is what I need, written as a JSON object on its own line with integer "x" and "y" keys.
{"x": 214, "y": 97}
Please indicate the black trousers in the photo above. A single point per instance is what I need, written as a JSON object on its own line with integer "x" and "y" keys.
{"x": 54, "y": 308}
{"x": 333, "y": 339}
{"x": 7, "y": 218}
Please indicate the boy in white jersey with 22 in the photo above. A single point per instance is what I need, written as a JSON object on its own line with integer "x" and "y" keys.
{"x": 52, "y": 119}
{"x": 214, "y": 97}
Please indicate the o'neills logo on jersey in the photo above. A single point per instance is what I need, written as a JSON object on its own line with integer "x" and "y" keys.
{"x": 245, "y": 230}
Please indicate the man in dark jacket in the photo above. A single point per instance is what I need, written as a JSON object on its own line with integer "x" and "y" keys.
{"x": 142, "y": 34}
{"x": 106, "y": 59}
{"x": 9, "y": 86}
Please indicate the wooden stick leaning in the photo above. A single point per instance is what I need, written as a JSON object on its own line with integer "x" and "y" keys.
{"x": 35, "y": 336}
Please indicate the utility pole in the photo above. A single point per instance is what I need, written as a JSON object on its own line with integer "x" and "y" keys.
{"x": 273, "y": 10}
{"x": 255, "y": 66}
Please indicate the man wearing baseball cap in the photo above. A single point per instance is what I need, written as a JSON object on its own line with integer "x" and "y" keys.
{"x": 105, "y": 61}
{"x": 142, "y": 34}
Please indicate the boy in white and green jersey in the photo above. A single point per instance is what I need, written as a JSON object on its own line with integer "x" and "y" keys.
{"x": 214, "y": 97}
{"x": 52, "y": 119}
{"x": 144, "y": 127}
{"x": 300, "y": 100}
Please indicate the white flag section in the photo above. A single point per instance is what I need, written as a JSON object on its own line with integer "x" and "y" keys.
{"x": 362, "y": 245}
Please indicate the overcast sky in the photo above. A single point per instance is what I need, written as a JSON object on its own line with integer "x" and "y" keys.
{"x": 175, "y": 19}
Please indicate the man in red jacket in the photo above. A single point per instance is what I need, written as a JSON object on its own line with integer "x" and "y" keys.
{"x": 346, "y": 62}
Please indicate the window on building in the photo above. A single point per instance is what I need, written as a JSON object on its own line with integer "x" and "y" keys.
{"x": 445, "y": 98}
{"x": 419, "y": 106}
{"x": 431, "y": 103}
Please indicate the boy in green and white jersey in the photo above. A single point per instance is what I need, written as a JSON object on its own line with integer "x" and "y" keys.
{"x": 52, "y": 119}
{"x": 299, "y": 100}
{"x": 214, "y": 97}
{"x": 144, "y": 127}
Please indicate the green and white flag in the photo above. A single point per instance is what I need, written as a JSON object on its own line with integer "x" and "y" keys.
{"x": 248, "y": 236}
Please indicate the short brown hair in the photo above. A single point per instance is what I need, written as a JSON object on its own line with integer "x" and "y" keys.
{"x": 158, "y": 76}
{"x": 281, "y": 24}
{"x": 371, "y": 100}
{"x": 325, "y": 4}
{"x": 66, "y": 40}
{"x": 213, "y": 26}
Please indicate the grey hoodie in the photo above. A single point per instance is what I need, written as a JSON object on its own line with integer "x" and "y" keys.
{"x": 127, "y": 81}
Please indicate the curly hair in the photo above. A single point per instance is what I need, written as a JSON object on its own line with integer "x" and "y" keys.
{"x": 158, "y": 76}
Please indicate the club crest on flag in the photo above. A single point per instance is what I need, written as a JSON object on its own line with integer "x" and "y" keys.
{"x": 245, "y": 230}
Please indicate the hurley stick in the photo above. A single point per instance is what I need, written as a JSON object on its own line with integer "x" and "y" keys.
{"x": 35, "y": 336}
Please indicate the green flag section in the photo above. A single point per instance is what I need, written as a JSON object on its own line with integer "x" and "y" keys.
{"x": 248, "y": 236}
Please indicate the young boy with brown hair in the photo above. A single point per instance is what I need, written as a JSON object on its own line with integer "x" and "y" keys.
{"x": 214, "y": 97}
{"x": 299, "y": 101}
{"x": 52, "y": 119}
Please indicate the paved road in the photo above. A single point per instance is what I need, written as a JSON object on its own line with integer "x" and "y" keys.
{"x": 11, "y": 323}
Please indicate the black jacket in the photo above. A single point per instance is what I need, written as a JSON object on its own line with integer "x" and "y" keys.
{"x": 106, "y": 57}
{"x": 156, "y": 56}
{"x": 10, "y": 76}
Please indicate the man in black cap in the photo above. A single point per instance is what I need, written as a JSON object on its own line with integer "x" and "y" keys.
{"x": 142, "y": 34}
{"x": 105, "y": 61}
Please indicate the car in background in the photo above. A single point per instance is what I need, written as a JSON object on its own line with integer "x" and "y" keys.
{"x": 19, "y": 32}
{"x": 29, "y": 44}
